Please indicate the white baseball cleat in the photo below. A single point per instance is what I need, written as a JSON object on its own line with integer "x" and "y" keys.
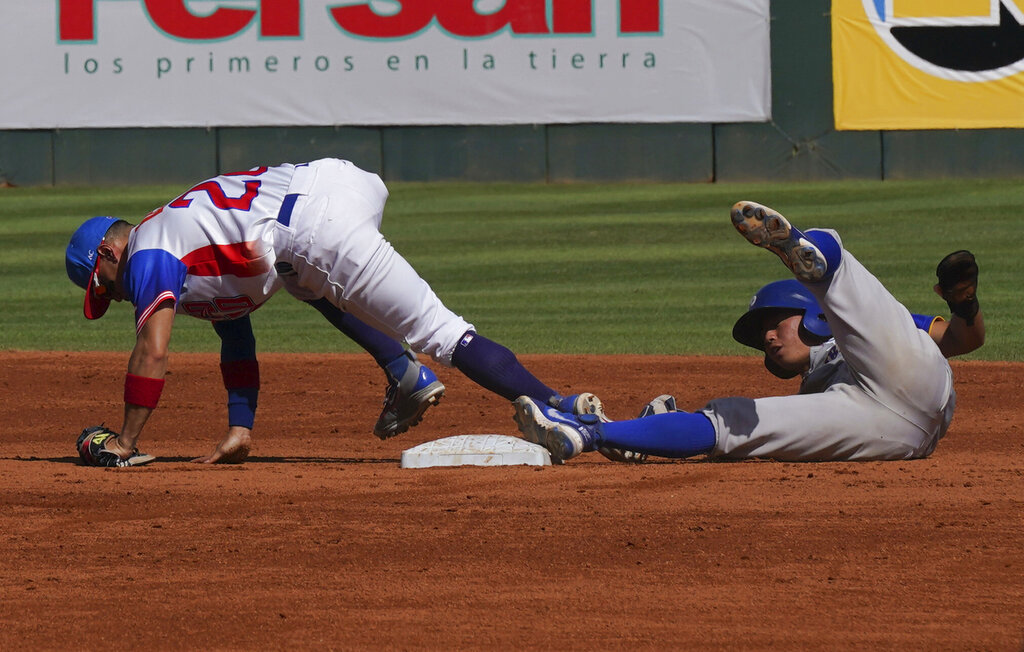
{"x": 585, "y": 403}
{"x": 564, "y": 435}
{"x": 663, "y": 404}
{"x": 766, "y": 228}
{"x": 588, "y": 403}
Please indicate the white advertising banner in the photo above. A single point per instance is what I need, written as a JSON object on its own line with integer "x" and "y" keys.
{"x": 207, "y": 63}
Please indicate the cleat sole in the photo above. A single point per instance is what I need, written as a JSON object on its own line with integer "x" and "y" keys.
{"x": 769, "y": 230}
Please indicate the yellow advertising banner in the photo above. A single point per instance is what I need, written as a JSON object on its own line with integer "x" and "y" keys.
{"x": 928, "y": 64}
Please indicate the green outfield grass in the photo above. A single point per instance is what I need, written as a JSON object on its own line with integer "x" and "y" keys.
{"x": 611, "y": 268}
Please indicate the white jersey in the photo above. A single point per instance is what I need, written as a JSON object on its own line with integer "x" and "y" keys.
{"x": 211, "y": 250}
{"x": 221, "y": 249}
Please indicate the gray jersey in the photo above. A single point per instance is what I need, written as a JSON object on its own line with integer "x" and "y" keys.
{"x": 827, "y": 368}
{"x": 880, "y": 390}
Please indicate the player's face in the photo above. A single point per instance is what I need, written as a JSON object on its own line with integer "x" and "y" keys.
{"x": 782, "y": 341}
{"x": 106, "y": 283}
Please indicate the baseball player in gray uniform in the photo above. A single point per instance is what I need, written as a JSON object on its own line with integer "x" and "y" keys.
{"x": 875, "y": 381}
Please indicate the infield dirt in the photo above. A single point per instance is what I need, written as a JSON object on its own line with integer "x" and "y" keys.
{"x": 321, "y": 541}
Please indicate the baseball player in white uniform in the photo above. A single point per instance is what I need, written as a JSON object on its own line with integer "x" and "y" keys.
{"x": 222, "y": 248}
{"x": 875, "y": 382}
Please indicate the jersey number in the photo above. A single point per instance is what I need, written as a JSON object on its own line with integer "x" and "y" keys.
{"x": 221, "y": 200}
{"x": 220, "y": 308}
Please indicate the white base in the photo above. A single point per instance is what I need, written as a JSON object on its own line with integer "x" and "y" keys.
{"x": 475, "y": 450}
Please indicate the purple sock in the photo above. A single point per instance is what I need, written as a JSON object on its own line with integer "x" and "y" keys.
{"x": 383, "y": 348}
{"x": 495, "y": 368}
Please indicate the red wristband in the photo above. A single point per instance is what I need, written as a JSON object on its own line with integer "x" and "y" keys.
{"x": 238, "y": 374}
{"x": 139, "y": 390}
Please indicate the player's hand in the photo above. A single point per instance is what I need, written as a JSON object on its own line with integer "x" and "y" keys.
{"x": 233, "y": 449}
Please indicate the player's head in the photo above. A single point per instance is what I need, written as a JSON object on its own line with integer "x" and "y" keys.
{"x": 82, "y": 259}
{"x": 771, "y": 305}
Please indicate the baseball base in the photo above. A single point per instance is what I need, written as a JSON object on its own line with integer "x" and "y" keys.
{"x": 475, "y": 450}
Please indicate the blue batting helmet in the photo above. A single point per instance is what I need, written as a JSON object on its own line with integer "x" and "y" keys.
{"x": 81, "y": 259}
{"x": 789, "y": 294}
{"x": 80, "y": 256}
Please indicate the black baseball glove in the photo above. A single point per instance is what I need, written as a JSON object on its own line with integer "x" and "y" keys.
{"x": 958, "y": 284}
{"x": 91, "y": 449}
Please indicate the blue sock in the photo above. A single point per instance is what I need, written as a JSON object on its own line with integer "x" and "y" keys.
{"x": 676, "y": 434}
{"x": 829, "y": 248}
{"x": 383, "y": 348}
{"x": 495, "y": 368}
{"x": 238, "y": 343}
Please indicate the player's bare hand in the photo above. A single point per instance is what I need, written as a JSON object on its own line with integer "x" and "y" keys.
{"x": 233, "y": 449}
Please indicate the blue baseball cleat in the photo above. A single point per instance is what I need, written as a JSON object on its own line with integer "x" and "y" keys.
{"x": 564, "y": 435}
{"x": 412, "y": 388}
{"x": 588, "y": 403}
{"x": 766, "y": 228}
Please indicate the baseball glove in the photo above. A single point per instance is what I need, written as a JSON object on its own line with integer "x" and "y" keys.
{"x": 91, "y": 449}
{"x": 958, "y": 284}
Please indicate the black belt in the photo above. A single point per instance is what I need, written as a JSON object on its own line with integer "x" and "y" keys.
{"x": 285, "y": 214}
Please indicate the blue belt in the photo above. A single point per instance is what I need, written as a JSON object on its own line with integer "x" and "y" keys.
{"x": 285, "y": 215}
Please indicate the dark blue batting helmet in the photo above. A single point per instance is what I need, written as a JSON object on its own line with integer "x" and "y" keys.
{"x": 789, "y": 294}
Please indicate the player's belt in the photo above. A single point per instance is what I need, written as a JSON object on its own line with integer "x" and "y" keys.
{"x": 284, "y": 216}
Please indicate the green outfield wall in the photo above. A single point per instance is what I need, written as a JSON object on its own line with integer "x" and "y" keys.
{"x": 799, "y": 144}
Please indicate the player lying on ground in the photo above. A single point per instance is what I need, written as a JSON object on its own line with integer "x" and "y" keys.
{"x": 221, "y": 249}
{"x": 875, "y": 381}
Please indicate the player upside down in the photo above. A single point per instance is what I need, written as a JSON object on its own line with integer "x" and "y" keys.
{"x": 221, "y": 249}
{"x": 875, "y": 381}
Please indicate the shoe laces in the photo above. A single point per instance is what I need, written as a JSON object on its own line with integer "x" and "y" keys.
{"x": 391, "y": 395}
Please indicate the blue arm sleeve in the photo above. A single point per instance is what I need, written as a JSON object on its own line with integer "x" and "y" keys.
{"x": 925, "y": 322}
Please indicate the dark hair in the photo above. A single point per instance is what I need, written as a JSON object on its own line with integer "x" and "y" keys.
{"x": 118, "y": 228}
